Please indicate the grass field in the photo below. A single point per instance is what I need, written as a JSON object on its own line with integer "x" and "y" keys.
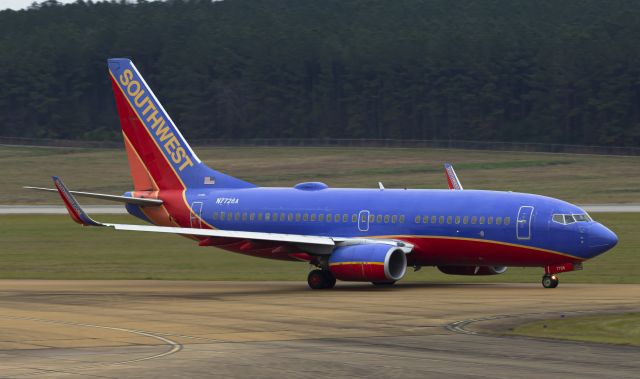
{"x": 53, "y": 247}
{"x": 575, "y": 178}
{"x": 618, "y": 329}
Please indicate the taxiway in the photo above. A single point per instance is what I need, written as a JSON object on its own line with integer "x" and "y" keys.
{"x": 163, "y": 329}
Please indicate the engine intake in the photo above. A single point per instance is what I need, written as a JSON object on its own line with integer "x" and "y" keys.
{"x": 368, "y": 263}
{"x": 472, "y": 270}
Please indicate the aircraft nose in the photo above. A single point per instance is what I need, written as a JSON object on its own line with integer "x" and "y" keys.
{"x": 601, "y": 239}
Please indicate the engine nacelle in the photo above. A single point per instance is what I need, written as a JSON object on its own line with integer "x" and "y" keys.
{"x": 368, "y": 263}
{"x": 472, "y": 270}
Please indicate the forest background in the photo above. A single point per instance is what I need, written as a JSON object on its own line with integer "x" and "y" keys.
{"x": 495, "y": 70}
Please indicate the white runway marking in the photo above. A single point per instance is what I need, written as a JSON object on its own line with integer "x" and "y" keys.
{"x": 174, "y": 346}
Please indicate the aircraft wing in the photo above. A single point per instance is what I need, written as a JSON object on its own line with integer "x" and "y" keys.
{"x": 102, "y": 196}
{"x": 452, "y": 178}
{"x": 80, "y": 216}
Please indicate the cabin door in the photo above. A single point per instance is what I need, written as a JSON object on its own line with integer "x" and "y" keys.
{"x": 195, "y": 216}
{"x": 363, "y": 221}
{"x": 523, "y": 229}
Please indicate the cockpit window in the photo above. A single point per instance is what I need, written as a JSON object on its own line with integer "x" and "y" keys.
{"x": 582, "y": 218}
{"x": 566, "y": 219}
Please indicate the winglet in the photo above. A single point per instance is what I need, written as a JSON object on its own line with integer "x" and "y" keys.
{"x": 452, "y": 178}
{"x": 75, "y": 211}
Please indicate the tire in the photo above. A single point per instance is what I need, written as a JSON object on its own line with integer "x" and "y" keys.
{"x": 330, "y": 280}
{"x": 317, "y": 280}
{"x": 549, "y": 281}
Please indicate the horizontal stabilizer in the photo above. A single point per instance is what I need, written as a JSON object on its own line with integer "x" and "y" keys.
{"x": 101, "y": 196}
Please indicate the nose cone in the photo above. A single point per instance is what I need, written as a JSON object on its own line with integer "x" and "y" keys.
{"x": 601, "y": 239}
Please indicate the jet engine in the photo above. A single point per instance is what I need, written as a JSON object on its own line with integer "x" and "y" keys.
{"x": 378, "y": 263}
{"x": 472, "y": 270}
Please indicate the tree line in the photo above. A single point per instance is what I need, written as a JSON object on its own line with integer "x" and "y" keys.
{"x": 508, "y": 70}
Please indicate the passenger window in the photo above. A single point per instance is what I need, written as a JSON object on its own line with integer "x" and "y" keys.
{"x": 313, "y": 217}
{"x": 244, "y": 216}
{"x": 425, "y": 219}
{"x": 298, "y": 217}
{"x": 229, "y": 216}
{"x": 449, "y": 219}
{"x": 282, "y": 217}
{"x": 370, "y": 218}
{"x": 490, "y": 220}
{"x": 394, "y": 219}
{"x": 328, "y": 218}
{"x": 336, "y": 218}
{"x": 474, "y": 219}
{"x": 457, "y": 220}
{"x": 499, "y": 220}
{"x": 237, "y": 218}
{"x": 379, "y": 219}
{"x": 274, "y": 216}
{"x": 305, "y": 217}
{"x": 433, "y": 219}
{"x": 260, "y": 216}
{"x": 507, "y": 220}
{"x": 267, "y": 216}
{"x": 481, "y": 220}
{"x": 441, "y": 220}
{"x": 386, "y": 219}
{"x": 417, "y": 219}
{"x": 321, "y": 217}
{"x": 215, "y": 216}
{"x": 402, "y": 219}
{"x": 290, "y": 217}
{"x": 345, "y": 218}
{"x": 252, "y": 216}
{"x": 223, "y": 216}
{"x": 354, "y": 218}
{"x": 465, "y": 220}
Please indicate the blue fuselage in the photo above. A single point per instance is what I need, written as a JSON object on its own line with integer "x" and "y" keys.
{"x": 438, "y": 222}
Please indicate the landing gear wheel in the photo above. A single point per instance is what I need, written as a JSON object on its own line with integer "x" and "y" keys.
{"x": 384, "y": 284}
{"x": 330, "y": 280}
{"x": 317, "y": 280}
{"x": 320, "y": 279}
{"x": 550, "y": 281}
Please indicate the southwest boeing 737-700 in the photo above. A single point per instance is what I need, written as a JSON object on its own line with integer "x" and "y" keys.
{"x": 366, "y": 235}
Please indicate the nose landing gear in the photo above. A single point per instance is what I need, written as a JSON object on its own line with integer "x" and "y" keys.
{"x": 550, "y": 281}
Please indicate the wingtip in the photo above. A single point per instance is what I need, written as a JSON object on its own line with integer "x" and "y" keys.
{"x": 73, "y": 207}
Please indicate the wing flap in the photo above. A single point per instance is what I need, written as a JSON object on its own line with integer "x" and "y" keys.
{"x": 278, "y": 237}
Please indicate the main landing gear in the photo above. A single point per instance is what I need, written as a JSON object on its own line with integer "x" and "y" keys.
{"x": 321, "y": 279}
{"x": 550, "y": 281}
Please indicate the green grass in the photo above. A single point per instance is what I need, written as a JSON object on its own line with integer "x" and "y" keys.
{"x": 618, "y": 329}
{"x": 575, "y": 178}
{"x": 54, "y": 247}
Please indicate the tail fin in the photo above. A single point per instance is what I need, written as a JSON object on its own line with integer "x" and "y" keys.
{"x": 159, "y": 156}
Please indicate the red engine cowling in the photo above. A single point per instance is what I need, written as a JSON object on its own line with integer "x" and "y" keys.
{"x": 368, "y": 263}
{"x": 472, "y": 270}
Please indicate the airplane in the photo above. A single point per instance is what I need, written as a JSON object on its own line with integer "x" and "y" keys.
{"x": 348, "y": 234}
